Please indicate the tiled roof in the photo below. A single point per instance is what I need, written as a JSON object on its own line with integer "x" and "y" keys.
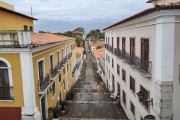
{"x": 16, "y": 13}
{"x": 147, "y": 11}
{"x": 100, "y": 53}
{"x": 79, "y": 49}
{"x": 98, "y": 43}
{"x": 47, "y": 38}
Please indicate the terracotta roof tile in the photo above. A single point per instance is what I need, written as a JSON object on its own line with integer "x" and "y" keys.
{"x": 100, "y": 53}
{"x": 47, "y": 38}
{"x": 98, "y": 43}
{"x": 79, "y": 49}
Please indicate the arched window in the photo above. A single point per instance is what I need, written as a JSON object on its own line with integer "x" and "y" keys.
{"x": 4, "y": 74}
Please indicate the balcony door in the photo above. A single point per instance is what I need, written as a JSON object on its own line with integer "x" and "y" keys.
{"x": 144, "y": 49}
{"x": 51, "y": 62}
{"x": 41, "y": 69}
{"x": 112, "y": 43}
{"x": 132, "y": 47}
{"x": 113, "y": 86}
{"x": 124, "y": 44}
{"x": 4, "y": 74}
{"x": 118, "y": 43}
{"x": 44, "y": 108}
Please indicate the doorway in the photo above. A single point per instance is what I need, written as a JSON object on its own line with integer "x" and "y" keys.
{"x": 44, "y": 107}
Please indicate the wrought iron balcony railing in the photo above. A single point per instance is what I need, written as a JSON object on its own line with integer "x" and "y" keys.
{"x": 6, "y": 93}
{"x": 43, "y": 84}
{"x": 143, "y": 66}
{"x": 54, "y": 71}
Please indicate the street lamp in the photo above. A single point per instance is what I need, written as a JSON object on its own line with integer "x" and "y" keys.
{"x": 149, "y": 117}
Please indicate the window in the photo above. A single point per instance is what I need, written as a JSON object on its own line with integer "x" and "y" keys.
{"x": 58, "y": 57}
{"x": 4, "y": 74}
{"x": 109, "y": 73}
{"x": 53, "y": 89}
{"x": 146, "y": 96}
{"x": 132, "y": 84}
{"x": 124, "y": 44}
{"x": 112, "y": 63}
{"x": 64, "y": 71}
{"x": 124, "y": 98}
{"x": 108, "y": 59}
{"x": 145, "y": 49}
{"x": 64, "y": 85}
{"x": 123, "y": 75}
{"x": 132, "y": 108}
{"x": 112, "y": 43}
{"x": 108, "y": 40}
{"x": 118, "y": 43}
{"x": 41, "y": 69}
{"x": 31, "y": 28}
{"x": 67, "y": 66}
{"x": 62, "y": 53}
{"x": 25, "y": 27}
{"x": 118, "y": 69}
{"x": 132, "y": 47}
{"x": 51, "y": 62}
{"x": 59, "y": 77}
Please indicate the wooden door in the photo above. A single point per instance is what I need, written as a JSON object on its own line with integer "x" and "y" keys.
{"x": 41, "y": 69}
{"x": 113, "y": 83}
{"x": 43, "y": 107}
{"x": 145, "y": 49}
{"x": 118, "y": 43}
{"x": 132, "y": 47}
{"x": 124, "y": 45}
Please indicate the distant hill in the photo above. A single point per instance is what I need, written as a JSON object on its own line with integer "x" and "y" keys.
{"x": 95, "y": 35}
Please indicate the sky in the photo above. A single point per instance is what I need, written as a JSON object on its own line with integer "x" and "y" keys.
{"x": 66, "y": 15}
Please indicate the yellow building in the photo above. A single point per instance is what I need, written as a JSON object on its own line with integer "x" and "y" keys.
{"x": 35, "y": 69}
{"x": 12, "y": 20}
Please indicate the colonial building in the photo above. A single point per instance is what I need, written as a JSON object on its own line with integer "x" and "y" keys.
{"x": 35, "y": 68}
{"x": 142, "y": 62}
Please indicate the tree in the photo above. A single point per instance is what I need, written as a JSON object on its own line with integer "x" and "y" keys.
{"x": 95, "y": 35}
{"x": 79, "y": 41}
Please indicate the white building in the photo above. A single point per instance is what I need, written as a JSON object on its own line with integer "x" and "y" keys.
{"x": 142, "y": 54}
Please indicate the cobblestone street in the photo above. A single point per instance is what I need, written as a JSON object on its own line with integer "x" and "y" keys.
{"x": 92, "y": 100}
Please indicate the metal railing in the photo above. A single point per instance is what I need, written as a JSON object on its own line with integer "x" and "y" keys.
{"x": 143, "y": 66}
{"x": 6, "y": 93}
{"x": 43, "y": 84}
{"x": 54, "y": 71}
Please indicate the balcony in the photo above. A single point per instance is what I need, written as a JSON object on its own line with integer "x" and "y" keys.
{"x": 15, "y": 38}
{"x": 43, "y": 84}
{"x": 54, "y": 71}
{"x": 6, "y": 93}
{"x": 130, "y": 59}
{"x": 144, "y": 66}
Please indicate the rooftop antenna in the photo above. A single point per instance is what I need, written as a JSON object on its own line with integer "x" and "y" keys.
{"x": 31, "y": 11}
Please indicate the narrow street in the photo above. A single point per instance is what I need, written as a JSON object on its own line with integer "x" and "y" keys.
{"x": 92, "y": 100}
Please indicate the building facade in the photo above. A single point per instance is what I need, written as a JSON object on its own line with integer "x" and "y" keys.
{"x": 35, "y": 69}
{"x": 142, "y": 62}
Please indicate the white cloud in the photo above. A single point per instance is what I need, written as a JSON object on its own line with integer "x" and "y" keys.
{"x": 77, "y": 11}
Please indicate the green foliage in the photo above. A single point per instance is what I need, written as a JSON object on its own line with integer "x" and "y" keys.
{"x": 55, "y": 111}
{"x": 79, "y": 41}
{"x": 63, "y": 104}
{"x": 99, "y": 47}
{"x": 78, "y": 55}
{"x": 95, "y": 34}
